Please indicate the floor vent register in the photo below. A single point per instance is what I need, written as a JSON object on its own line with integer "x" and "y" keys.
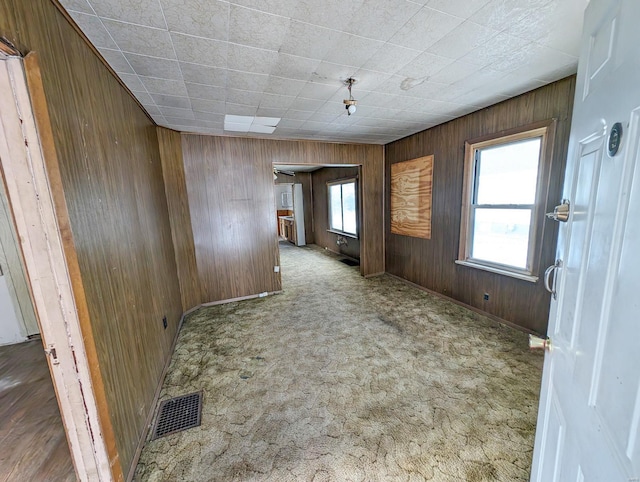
{"x": 177, "y": 414}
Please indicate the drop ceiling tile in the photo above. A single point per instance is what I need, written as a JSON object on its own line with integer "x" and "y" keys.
{"x": 152, "y": 109}
{"x": 244, "y": 97}
{"x": 538, "y": 59}
{"x": 247, "y": 81}
{"x": 143, "y": 98}
{"x": 326, "y": 117}
{"x": 159, "y": 119}
{"x": 185, "y": 122}
{"x": 331, "y": 108}
{"x": 460, "y": 8}
{"x": 257, "y": 29}
{"x": 210, "y": 117}
{"x": 202, "y": 18}
{"x": 196, "y": 50}
{"x": 81, "y": 6}
{"x": 425, "y": 28}
{"x": 271, "y": 112}
{"x": 381, "y": 19}
{"x": 164, "y": 86}
{"x": 176, "y": 112}
{"x": 308, "y": 41}
{"x": 210, "y": 92}
{"x": 294, "y": 67}
{"x": 94, "y": 29}
{"x": 335, "y": 14}
{"x": 141, "y": 40}
{"x": 279, "y": 7}
{"x": 306, "y": 104}
{"x": 239, "y": 109}
{"x": 154, "y": 67}
{"x": 462, "y": 40}
{"x": 249, "y": 59}
{"x": 454, "y": 72}
{"x": 500, "y": 14}
{"x": 276, "y": 101}
{"x": 480, "y": 98}
{"x": 315, "y": 90}
{"x": 298, "y": 114}
{"x": 390, "y": 58}
{"x": 284, "y": 86}
{"x": 209, "y": 106}
{"x": 553, "y": 25}
{"x": 424, "y": 66}
{"x": 496, "y": 51}
{"x": 289, "y": 124}
{"x": 352, "y": 50}
{"x": 202, "y": 74}
{"x": 116, "y": 60}
{"x": 163, "y": 100}
{"x": 133, "y": 82}
{"x": 140, "y": 12}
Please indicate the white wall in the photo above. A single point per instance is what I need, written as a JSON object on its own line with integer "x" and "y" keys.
{"x": 11, "y": 330}
{"x": 279, "y": 190}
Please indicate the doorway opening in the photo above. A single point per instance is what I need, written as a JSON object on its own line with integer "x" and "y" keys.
{"x": 320, "y": 204}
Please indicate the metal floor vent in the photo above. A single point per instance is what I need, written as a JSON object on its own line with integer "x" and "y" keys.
{"x": 177, "y": 414}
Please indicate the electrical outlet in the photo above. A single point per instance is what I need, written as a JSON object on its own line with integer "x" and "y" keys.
{"x": 164, "y": 322}
{"x": 486, "y": 297}
{"x": 276, "y": 269}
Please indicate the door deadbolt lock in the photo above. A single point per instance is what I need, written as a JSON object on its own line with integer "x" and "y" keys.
{"x": 561, "y": 212}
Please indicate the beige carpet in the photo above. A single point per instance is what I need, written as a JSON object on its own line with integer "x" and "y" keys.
{"x": 341, "y": 378}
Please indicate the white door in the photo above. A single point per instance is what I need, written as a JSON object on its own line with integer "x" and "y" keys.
{"x": 588, "y": 422}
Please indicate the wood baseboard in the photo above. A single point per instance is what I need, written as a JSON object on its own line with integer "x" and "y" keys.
{"x": 502, "y": 321}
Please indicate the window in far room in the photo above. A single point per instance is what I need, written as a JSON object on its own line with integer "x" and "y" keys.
{"x": 504, "y": 196}
{"x": 343, "y": 207}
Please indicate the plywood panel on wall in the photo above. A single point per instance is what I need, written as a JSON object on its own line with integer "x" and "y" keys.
{"x": 411, "y": 197}
{"x": 430, "y": 263}
{"x": 325, "y": 238}
{"x": 230, "y": 193}
{"x": 112, "y": 182}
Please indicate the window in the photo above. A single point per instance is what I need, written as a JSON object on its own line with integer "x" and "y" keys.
{"x": 343, "y": 210}
{"x": 503, "y": 200}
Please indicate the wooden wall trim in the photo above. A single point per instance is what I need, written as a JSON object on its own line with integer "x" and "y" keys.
{"x": 170, "y": 144}
{"x": 41, "y": 115}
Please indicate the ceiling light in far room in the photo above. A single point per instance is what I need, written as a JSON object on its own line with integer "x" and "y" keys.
{"x": 350, "y": 103}
{"x": 244, "y": 123}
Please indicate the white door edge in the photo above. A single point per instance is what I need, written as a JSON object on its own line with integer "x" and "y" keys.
{"x": 28, "y": 189}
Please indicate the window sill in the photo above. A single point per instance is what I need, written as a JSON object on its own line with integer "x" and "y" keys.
{"x": 493, "y": 269}
{"x": 340, "y": 233}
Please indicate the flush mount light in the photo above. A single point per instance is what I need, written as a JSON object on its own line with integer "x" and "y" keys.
{"x": 350, "y": 103}
{"x": 244, "y": 123}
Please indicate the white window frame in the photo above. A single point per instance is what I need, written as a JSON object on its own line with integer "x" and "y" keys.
{"x": 545, "y": 130}
{"x": 350, "y": 180}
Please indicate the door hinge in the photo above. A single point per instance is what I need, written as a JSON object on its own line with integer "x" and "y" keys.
{"x": 50, "y": 351}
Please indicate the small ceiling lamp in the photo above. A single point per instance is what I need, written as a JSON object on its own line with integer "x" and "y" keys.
{"x": 350, "y": 103}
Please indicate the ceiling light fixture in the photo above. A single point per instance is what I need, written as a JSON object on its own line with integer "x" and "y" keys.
{"x": 350, "y": 103}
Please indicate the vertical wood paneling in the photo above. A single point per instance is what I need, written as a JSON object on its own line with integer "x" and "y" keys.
{"x": 430, "y": 263}
{"x": 180, "y": 216}
{"x": 112, "y": 181}
{"x": 321, "y": 209}
{"x": 230, "y": 194}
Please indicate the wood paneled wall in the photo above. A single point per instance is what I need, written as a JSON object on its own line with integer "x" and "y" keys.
{"x": 323, "y": 237}
{"x": 109, "y": 162}
{"x": 430, "y": 263}
{"x": 229, "y": 184}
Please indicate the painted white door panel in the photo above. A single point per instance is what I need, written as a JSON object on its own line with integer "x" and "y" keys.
{"x": 589, "y": 418}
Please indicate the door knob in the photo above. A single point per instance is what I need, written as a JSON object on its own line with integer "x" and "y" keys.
{"x": 537, "y": 343}
{"x": 561, "y": 212}
{"x": 551, "y": 287}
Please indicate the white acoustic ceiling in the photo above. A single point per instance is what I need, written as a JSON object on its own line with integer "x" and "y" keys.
{"x": 417, "y": 63}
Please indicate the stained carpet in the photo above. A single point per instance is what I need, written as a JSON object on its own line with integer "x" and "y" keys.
{"x": 341, "y": 378}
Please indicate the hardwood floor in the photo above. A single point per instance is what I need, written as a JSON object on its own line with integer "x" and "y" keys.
{"x": 34, "y": 446}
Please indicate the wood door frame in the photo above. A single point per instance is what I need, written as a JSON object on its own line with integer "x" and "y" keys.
{"x": 30, "y": 172}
